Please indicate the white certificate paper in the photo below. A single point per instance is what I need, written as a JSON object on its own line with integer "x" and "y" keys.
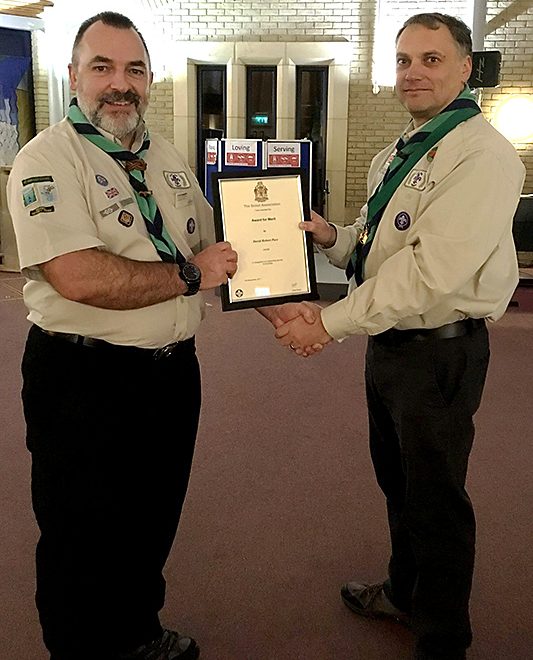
{"x": 259, "y": 216}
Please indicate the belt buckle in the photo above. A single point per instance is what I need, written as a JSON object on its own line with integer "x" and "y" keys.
{"x": 164, "y": 351}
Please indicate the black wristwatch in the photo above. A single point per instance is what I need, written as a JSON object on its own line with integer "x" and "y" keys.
{"x": 192, "y": 276}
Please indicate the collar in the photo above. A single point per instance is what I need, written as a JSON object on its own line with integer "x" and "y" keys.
{"x": 140, "y": 134}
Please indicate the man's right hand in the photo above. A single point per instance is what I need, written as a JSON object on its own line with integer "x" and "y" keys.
{"x": 323, "y": 233}
{"x": 217, "y": 262}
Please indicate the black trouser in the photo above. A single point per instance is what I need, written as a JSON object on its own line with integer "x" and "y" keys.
{"x": 112, "y": 433}
{"x": 422, "y": 396}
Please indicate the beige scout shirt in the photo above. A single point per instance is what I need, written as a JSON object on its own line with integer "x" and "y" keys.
{"x": 443, "y": 250}
{"x": 66, "y": 194}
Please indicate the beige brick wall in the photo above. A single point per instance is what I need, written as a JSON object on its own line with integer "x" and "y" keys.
{"x": 513, "y": 36}
{"x": 40, "y": 83}
{"x": 375, "y": 119}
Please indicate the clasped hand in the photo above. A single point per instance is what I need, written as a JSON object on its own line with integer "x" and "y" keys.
{"x": 299, "y": 326}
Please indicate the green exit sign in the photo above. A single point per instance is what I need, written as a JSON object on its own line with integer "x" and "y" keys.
{"x": 260, "y": 119}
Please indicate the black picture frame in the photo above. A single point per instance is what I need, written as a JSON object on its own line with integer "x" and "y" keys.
{"x": 229, "y": 302}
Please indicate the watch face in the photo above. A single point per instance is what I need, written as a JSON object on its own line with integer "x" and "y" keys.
{"x": 190, "y": 272}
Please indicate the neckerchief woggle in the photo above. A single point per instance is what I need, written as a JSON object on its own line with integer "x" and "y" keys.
{"x": 407, "y": 155}
{"x": 134, "y": 165}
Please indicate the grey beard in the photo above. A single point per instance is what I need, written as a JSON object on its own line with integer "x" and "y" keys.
{"x": 120, "y": 127}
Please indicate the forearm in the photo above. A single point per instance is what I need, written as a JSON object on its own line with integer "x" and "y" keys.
{"x": 101, "y": 279}
{"x": 269, "y": 312}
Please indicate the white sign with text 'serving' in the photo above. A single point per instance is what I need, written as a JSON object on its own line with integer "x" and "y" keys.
{"x": 283, "y": 154}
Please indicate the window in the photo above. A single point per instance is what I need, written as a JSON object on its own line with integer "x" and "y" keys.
{"x": 261, "y": 102}
{"x": 211, "y": 111}
{"x": 311, "y": 121}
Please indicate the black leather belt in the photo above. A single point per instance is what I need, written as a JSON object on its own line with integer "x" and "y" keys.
{"x": 91, "y": 342}
{"x": 449, "y": 331}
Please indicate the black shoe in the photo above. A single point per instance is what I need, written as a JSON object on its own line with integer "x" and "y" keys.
{"x": 170, "y": 646}
{"x": 371, "y": 601}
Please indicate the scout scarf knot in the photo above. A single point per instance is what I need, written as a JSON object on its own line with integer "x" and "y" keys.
{"x": 135, "y": 166}
{"x": 138, "y": 164}
{"x": 407, "y": 155}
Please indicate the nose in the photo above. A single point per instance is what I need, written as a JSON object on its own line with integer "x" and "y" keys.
{"x": 414, "y": 71}
{"x": 119, "y": 81}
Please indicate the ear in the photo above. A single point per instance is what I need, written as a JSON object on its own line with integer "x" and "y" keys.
{"x": 72, "y": 77}
{"x": 467, "y": 69}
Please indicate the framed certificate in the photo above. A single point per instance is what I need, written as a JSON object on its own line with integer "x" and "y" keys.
{"x": 258, "y": 213}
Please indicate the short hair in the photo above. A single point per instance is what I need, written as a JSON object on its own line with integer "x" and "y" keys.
{"x": 460, "y": 32}
{"x": 111, "y": 18}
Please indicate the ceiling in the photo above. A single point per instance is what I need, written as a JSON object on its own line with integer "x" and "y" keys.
{"x": 24, "y": 7}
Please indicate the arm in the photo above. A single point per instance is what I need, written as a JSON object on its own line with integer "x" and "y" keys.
{"x": 99, "y": 278}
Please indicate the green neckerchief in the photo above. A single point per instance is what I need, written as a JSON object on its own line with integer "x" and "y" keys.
{"x": 407, "y": 155}
{"x": 134, "y": 165}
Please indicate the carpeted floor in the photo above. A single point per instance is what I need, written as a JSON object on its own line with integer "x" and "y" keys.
{"x": 283, "y": 507}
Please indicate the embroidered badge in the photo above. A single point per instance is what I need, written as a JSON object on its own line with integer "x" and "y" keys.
{"x": 28, "y": 196}
{"x": 417, "y": 179}
{"x": 431, "y": 154}
{"x": 47, "y": 193}
{"x": 177, "y": 179}
{"x": 402, "y": 221}
{"x": 100, "y": 178}
{"x": 126, "y": 202}
{"x": 37, "y": 179}
{"x": 43, "y": 193}
{"x": 111, "y": 192}
{"x": 42, "y": 209}
{"x": 191, "y": 225}
{"x": 110, "y": 209}
{"x": 125, "y": 218}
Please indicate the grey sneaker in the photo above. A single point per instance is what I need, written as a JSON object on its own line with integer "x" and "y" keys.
{"x": 371, "y": 601}
{"x": 170, "y": 646}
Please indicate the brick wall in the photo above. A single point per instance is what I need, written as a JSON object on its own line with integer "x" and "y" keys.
{"x": 375, "y": 119}
{"x": 511, "y": 33}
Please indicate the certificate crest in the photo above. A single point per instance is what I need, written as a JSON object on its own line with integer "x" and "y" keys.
{"x": 261, "y": 192}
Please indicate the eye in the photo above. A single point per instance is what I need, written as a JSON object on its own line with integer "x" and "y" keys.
{"x": 433, "y": 59}
{"x": 137, "y": 72}
{"x": 100, "y": 68}
{"x": 401, "y": 61}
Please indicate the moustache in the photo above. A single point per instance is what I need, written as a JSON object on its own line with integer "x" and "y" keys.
{"x": 118, "y": 97}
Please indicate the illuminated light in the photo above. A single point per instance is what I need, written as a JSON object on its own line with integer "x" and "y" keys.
{"x": 514, "y": 118}
{"x": 260, "y": 120}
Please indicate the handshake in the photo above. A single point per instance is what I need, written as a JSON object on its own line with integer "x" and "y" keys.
{"x": 298, "y": 326}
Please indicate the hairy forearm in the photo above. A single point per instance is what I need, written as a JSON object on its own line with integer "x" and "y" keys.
{"x": 101, "y": 279}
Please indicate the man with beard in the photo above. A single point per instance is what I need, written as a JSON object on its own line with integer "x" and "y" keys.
{"x": 115, "y": 240}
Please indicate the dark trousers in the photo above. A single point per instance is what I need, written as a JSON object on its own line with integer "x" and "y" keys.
{"x": 111, "y": 432}
{"x": 422, "y": 396}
